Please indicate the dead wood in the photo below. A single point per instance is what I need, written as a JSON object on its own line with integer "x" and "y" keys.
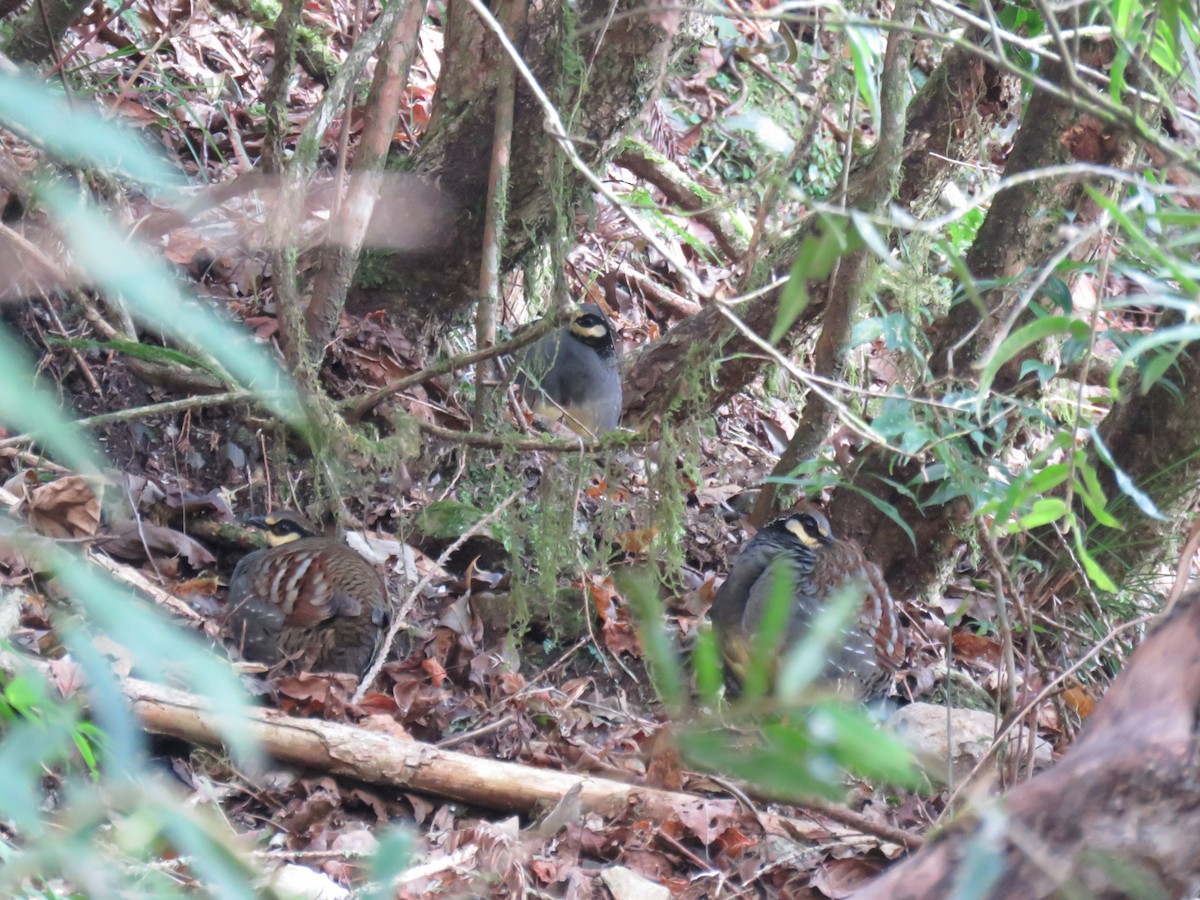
{"x": 1122, "y": 807}
{"x": 384, "y": 759}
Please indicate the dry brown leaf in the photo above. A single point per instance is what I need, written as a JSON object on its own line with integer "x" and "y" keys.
{"x": 128, "y": 542}
{"x": 68, "y": 507}
{"x": 705, "y": 820}
{"x": 973, "y": 647}
{"x": 638, "y": 540}
{"x": 435, "y": 671}
{"x": 734, "y": 842}
{"x": 122, "y": 658}
{"x": 68, "y": 677}
{"x": 1079, "y": 701}
{"x": 843, "y": 877}
{"x": 665, "y": 769}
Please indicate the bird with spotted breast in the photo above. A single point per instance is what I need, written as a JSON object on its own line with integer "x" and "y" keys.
{"x": 570, "y": 375}
{"x": 307, "y": 602}
{"x": 816, "y": 565}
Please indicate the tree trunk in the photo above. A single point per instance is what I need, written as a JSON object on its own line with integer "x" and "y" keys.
{"x": 604, "y": 79}
{"x": 959, "y": 105}
{"x": 1121, "y": 809}
{"x": 1020, "y": 233}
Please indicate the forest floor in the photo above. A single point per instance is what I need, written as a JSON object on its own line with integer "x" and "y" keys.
{"x": 559, "y": 683}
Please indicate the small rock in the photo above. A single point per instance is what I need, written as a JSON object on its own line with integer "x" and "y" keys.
{"x": 292, "y": 882}
{"x": 923, "y": 727}
{"x": 627, "y": 884}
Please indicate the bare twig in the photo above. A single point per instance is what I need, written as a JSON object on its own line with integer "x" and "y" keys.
{"x": 357, "y": 407}
{"x": 142, "y": 412}
{"x": 496, "y": 210}
{"x": 1051, "y": 687}
{"x": 400, "y": 616}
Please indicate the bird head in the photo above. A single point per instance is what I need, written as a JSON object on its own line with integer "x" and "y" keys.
{"x": 591, "y": 327}
{"x": 282, "y": 526}
{"x": 810, "y": 528}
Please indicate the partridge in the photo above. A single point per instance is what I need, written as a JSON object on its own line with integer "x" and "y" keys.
{"x": 308, "y": 602}
{"x": 571, "y": 374}
{"x": 816, "y": 565}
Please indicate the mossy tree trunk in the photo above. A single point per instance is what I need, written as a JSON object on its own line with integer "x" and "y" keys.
{"x": 598, "y": 73}
{"x": 36, "y": 31}
{"x": 1020, "y": 233}
{"x": 948, "y": 119}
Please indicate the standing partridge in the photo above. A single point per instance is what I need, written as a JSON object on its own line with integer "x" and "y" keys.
{"x": 571, "y": 374}
{"x": 307, "y": 601}
{"x": 816, "y": 565}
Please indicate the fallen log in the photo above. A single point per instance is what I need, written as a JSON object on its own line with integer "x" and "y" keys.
{"x": 385, "y": 759}
{"x": 1118, "y": 816}
{"x": 380, "y": 758}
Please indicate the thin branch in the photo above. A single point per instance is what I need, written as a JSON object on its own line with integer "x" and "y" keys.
{"x": 483, "y": 439}
{"x": 496, "y": 208}
{"x": 141, "y": 412}
{"x": 558, "y": 131}
{"x": 400, "y": 615}
{"x": 357, "y": 407}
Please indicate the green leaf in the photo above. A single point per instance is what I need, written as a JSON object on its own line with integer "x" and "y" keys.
{"x": 887, "y": 509}
{"x": 665, "y": 669}
{"x": 222, "y": 872}
{"x": 148, "y": 352}
{"x": 77, "y": 135}
{"x": 1124, "y": 482}
{"x": 1097, "y": 508}
{"x": 152, "y": 292}
{"x": 1096, "y": 574}
{"x": 391, "y": 857}
{"x": 804, "y": 663}
{"x": 814, "y": 260}
{"x": 1156, "y": 367}
{"x": 863, "y": 55}
{"x": 25, "y": 406}
{"x": 1116, "y": 75}
{"x": 1043, "y": 512}
{"x": 1088, "y": 488}
{"x": 782, "y": 771}
{"x": 1057, "y": 292}
{"x": 1048, "y": 478}
{"x": 866, "y": 331}
{"x": 706, "y": 663}
{"x": 983, "y": 863}
{"x": 1020, "y": 340}
{"x": 870, "y": 236}
{"x": 125, "y": 743}
{"x": 858, "y": 744}
{"x": 771, "y": 628}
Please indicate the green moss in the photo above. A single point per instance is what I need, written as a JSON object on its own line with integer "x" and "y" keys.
{"x": 374, "y": 269}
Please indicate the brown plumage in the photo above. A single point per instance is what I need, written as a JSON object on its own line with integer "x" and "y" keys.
{"x": 308, "y": 601}
{"x": 817, "y": 565}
